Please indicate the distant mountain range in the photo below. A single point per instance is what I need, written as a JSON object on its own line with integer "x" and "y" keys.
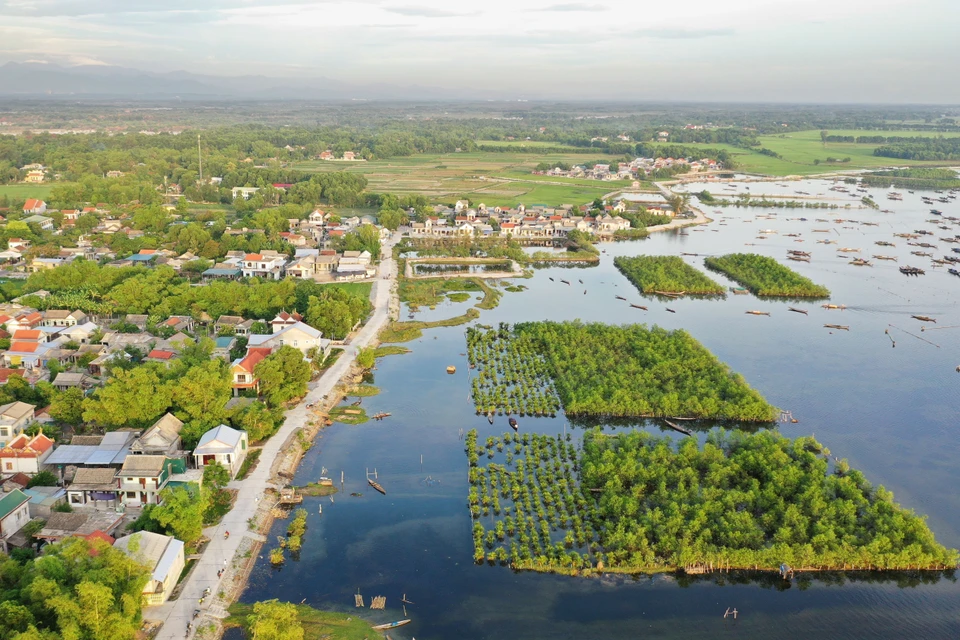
{"x": 40, "y": 80}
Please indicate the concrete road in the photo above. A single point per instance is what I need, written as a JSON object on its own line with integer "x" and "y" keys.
{"x": 220, "y": 551}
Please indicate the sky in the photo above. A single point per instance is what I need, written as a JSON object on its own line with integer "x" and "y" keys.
{"x": 888, "y": 51}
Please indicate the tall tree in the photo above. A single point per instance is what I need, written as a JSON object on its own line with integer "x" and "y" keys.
{"x": 130, "y": 398}
{"x": 283, "y": 375}
{"x": 275, "y": 620}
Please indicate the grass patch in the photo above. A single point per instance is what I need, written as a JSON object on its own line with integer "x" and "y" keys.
{"x": 765, "y": 276}
{"x": 459, "y": 296}
{"x": 249, "y": 463}
{"x": 361, "y": 289}
{"x": 315, "y": 489}
{"x": 430, "y": 293}
{"x": 516, "y": 288}
{"x": 389, "y": 350}
{"x": 407, "y": 331}
{"x": 335, "y": 353}
{"x": 18, "y": 192}
{"x": 349, "y": 415}
{"x": 317, "y": 624}
{"x": 650, "y": 274}
{"x": 363, "y": 391}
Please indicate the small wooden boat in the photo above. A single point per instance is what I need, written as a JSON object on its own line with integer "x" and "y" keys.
{"x": 579, "y": 280}
{"x": 391, "y": 625}
{"x": 619, "y": 297}
{"x": 834, "y": 306}
{"x": 636, "y": 306}
{"x": 564, "y": 282}
{"x": 860, "y": 262}
{"x": 513, "y": 423}
{"x": 758, "y": 313}
{"x": 922, "y": 254}
{"x": 912, "y": 271}
{"x": 841, "y": 327}
{"x": 848, "y": 250}
{"x": 884, "y": 258}
{"x": 677, "y": 427}
{"x": 796, "y": 252}
{"x": 671, "y": 294}
{"x": 490, "y": 418}
{"x": 884, "y": 243}
{"x": 953, "y": 272}
{"x": 799, "y": 258}
{"x": 740, "y": 291}
{"x": 795, "y": 310}
{"x": 669, "y": 309}
{"x": 924, "y": 319}
{"x": 376, "y": 485}
{"x": 381, "y": 416}
{"x": 552, "y": 280}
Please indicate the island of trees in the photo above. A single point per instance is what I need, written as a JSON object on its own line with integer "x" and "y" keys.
{"x": 651, "y": 274}
{"x": 635, "y": 502}
{"x": 607, "y": 370}
{"x": 765, "y": 276}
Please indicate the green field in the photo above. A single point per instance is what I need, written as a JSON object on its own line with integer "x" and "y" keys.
{"x": 799, "y": 150}
{"x": 447, "y": 177}
{"x": 17, "y": 192}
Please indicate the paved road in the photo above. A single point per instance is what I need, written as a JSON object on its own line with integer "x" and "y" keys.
{"x": 175, "y": 615}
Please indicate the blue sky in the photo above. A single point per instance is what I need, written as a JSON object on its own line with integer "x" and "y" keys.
{"x": 750, "y": 50}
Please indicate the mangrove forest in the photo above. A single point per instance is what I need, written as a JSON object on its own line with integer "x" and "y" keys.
{"x": 765, "y": 276}
{"x": 652, "y": 274}
{"x": 635, "y": 502}
{"x": 606, "y": 370}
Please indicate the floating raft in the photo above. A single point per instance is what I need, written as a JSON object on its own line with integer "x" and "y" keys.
{"x": 379, "y": 602}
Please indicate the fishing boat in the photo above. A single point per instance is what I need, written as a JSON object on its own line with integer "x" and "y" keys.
{"x": 376, "y": 485}
{"x": 564, "y": 282}
{"x": 799, "y": 258}
{"x": 758, "y": 313}
{"x": 912, "y": 271}
{"x": 860, "y": 262}
{"x": 884, "y": 243}
{"x": 552, "y": 280}
{"x": 841, "y": 327}
{"x": 636, "y": 306}
{"x": 513, "y": 423}
{"x": 619, "y": 297}
{"x": 677, "y": 427}
{"x": 795, "y": 310}
{"x": 834, "y": 306}
{"x": 490, "y": 418}
{"x": 922, "y": 254}
{"x": 670, "y": 294}
{"x": 885, "y": 258}
{"x": 797, "y": 252}
{"x": 669, "y": 309}
{"x": 953, "y": 272}
{"x": 740, "y": 291}
{"x": 391, "y": 625}
{"x": 848, "y": 250}
{"x": 924, "y": 319}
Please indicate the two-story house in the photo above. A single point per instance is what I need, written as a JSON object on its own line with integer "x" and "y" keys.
{"x": 14, "y": 416}
{"x": 63, "y": 318}
{"x": 161, "y": 439}
{"x": 162, "y": 555}
{"x": 298, "y": 335}
{"x": 267, "y": 264}
{"x": 242, "y": 369}
{"x": 224, "y": 445}
{"x": 142, "y": 478}
{"x": 14, "y": 513}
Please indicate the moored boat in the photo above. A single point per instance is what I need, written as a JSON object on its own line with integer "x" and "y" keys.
{"x": 391, "y": 625}
{"x": 513, "y": 423}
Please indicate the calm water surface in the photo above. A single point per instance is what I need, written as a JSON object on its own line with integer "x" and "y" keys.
{"x": 889, "y": 410}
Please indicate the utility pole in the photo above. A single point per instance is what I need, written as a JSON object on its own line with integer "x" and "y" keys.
{"x": 199, "y": 158}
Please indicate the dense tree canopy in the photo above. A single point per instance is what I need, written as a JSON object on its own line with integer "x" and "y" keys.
{"x": 665, "y": 273}
{"x": 765, "y": 276}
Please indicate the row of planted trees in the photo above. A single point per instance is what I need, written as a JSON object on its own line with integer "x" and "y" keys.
{"x": 650, "y": 274}
{"x": 293, "y": 540}
{"x": 512, "y": 377}
{"x": 535, "y": 515}
{"x": 764, "y": 276}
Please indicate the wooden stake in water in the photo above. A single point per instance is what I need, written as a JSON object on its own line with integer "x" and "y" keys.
{"x": 421, "y": 463}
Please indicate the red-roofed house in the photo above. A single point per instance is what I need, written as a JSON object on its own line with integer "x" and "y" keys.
{"x": 99, "y": 535}
{"x": 29, "y": 335}
{"x": 160, "y": 355}
{"x": 180, "y": 323}
{"x": 34, "y": 207}
{"x": 269, "y": 264}
{"x": 6, "y": 373}
{"x": 24, "y": 454}
{"x": 25, "y": 321}
{"x": 284, "y": 320}
{"x": 242, "y": 369}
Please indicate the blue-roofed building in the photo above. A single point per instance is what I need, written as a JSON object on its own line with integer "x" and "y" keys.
{"x": 142, "y": 258}
{"x": 222, "y": 270}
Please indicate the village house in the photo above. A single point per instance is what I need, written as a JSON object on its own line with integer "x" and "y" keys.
{"x": 303, "y": 267}
{"x": 72, "y": 380}
{"x": 224, "y": 445}
{"x": 179, "y": 323}
{"x": 162, "y": 438}
{"x": 63, "y": 318}
{"x": 43, "y": 500}
{"x": 114, "y": 174}
{"x": 82, "y": 525}
{"x": 142, "y": 478}
{"x": 34, "y": 207}
{"x": 298, "y": 335}
{"x": 92, "y": 485}
{"x": 18, "y": 244}
{"x": 267, "y": 264}
{"x": 14, "y": 417}
{"x": 108, "y": 450}
{"x": 80, "y": 333}
{"x": 242, "y": 369}
{"x": 349, "y": 155}
{"x": 14, "y": 513}
{"x": 44, "y": 222}
{"x": 227, "y": 324}
{"x": 24, "y": 454}
{"x": 35, "y": 176}
{"x": 223, "y": 346}
{"x": 162, "y": 555}
{"x": 284, "y": 319}
{"x": 244, "y": 192}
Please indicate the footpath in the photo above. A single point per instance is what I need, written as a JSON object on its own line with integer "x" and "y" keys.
{"x": 228, "y": 552}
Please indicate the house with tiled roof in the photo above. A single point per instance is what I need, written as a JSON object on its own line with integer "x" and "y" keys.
{"x": 162, "y": 438}
{"x": 34, "y": 207}
{"x": 160, "y": 355}
{"x": 298, "y": 335}
{"x": 14, "y": 513}
{"x": 14, "y": 417}
{"x": 63, "y": 318}
{"x": 142, "y": 478}
{"x": 284, "y": 319}
{"x": 24, "y": 454}
{"x": 92, "y": 485}
{"x": 179, "y": 323}
{"x": 242, "y": 369}
{"x": 266, "y": 264}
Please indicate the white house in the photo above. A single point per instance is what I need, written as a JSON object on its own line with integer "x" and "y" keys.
{"x": 142, "y": 478}
{"x": 244, "y": 192}
{"x": 163, "y": 555}
{"x": 268, "y": 264}
{"x": 224, "y": 445}
{"x": 14, "y": 416}
{"x": 162, "y": 438}
{"x": 14, "y": 513}
{"x": 298, "y": 335}
{"x": 25, "y": 454}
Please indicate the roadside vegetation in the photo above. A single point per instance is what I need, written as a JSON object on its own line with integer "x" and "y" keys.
{"x": 651, "y": 274}
{"x": 277, "y": 620}
{"x": 765, "y": 276}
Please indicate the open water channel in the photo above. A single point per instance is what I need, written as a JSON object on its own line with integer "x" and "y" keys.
{"x": 891, "y": 411}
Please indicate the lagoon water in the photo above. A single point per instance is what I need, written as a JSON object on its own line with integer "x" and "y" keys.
{"x": 891, "y": 411}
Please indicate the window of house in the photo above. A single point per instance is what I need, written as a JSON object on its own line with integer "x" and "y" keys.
{"x": 9, "y": 466}
{"x": 4, "y": 431}
{"x": 131, "y": 495}
{"x": 130, "y": 480}
{"x": 241, "y": 378}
